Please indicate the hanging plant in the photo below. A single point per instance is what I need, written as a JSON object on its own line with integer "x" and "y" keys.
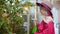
{"x": 11, "y": 20}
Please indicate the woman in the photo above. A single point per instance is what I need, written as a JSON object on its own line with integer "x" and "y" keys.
{"x": 47, "y": 25}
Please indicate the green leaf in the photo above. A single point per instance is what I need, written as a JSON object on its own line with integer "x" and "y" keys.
{"x": 28, "y": 4}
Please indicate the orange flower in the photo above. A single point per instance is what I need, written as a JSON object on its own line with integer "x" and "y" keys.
{"x": 4, "y": 15}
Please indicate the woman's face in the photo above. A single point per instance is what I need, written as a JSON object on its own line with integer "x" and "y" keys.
{"x": 43, "y": 11}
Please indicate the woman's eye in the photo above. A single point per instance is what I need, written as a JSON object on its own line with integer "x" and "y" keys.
{"x": 45, "y": 10}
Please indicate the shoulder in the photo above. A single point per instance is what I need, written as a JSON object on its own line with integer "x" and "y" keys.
{"x": 48, "y": 19}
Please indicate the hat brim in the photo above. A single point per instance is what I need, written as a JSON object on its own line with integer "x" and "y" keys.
{"x": 43, "y": 5}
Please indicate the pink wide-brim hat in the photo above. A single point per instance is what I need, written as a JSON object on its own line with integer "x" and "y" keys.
{"x": 47, "y": 5}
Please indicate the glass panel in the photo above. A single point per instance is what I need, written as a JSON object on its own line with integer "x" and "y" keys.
{"x": 40, "y": 0}
{"x": 32, "y": 9}
{"x": 25, "y": 24}
{"x": 31, "y": 18}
